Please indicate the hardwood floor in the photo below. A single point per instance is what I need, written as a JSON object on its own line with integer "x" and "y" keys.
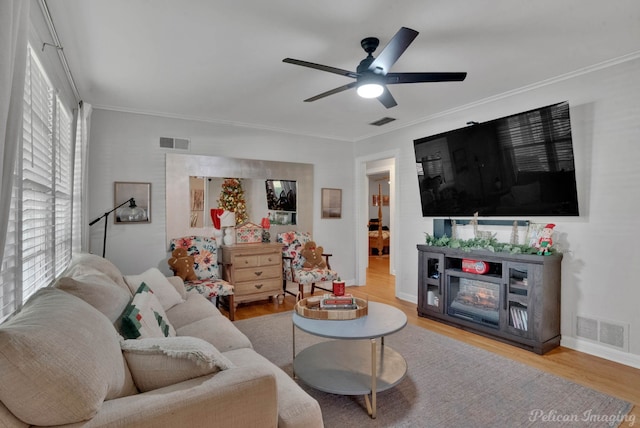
{"x": 602, "y": 375}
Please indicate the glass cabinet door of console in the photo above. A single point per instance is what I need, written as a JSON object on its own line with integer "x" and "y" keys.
{"x": 518, "y": 290}
{"x": 433, "y": 269}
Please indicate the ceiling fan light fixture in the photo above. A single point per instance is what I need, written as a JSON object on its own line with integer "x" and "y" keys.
{"x": 370, "y": 90}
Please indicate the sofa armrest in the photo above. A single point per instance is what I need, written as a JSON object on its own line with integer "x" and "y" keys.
{"x": 178, "y": 284}
{"x": 238, "y": 397}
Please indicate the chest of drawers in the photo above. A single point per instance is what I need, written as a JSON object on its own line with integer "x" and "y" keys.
{"x": 255, "y": 270}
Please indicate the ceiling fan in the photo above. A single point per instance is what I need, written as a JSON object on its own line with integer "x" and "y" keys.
{"x": 372, "y": 74}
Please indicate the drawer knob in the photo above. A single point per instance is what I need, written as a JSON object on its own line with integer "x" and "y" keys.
{"x": 258, "y": 286}
{"x": 258, "y": 273}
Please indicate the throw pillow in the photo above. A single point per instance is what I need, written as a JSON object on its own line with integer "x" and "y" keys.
{"x": 98, "y": 290}
{"x": 144, "y": 317}
{"x": 156, "y": 281}
{"x": 159, "y": 362}
{"x": 92, "y": 261}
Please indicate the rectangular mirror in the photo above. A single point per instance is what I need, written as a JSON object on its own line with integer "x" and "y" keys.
{"x": 282, "y": 198}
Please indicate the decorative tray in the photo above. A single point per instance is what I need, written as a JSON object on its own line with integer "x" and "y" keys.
{"x": 315, "y": 312}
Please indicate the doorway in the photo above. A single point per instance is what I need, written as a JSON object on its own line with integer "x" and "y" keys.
{"x": 377, "y": 165}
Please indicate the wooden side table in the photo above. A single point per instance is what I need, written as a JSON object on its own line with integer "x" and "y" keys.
{"x": 254, "y": 270}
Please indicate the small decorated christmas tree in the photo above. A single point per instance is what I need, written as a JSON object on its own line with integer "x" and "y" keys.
{"x": 232, "y": 199}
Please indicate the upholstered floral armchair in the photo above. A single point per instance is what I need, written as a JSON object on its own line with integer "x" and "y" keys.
{"x": 209, "y": 283}
{"x": 292, "y": 263}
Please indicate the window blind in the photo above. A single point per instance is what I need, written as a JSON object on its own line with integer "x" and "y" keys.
{"x": 38, "y": 245}
{"x": 37, "y": 181}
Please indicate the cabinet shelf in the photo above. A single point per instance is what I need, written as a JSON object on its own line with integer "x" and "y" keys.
{"x": 517, "y": 302}
{"x": 486, "y": 277}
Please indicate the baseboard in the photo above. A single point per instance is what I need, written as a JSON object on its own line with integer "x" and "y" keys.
{"x": 632, "y": 360}
{"x": 408, "y": 297}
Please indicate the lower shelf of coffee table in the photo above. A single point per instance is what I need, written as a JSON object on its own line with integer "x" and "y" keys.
{"x": 344, "y": 367}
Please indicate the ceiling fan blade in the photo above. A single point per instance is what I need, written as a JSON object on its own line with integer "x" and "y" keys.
{"x": 387, "y": 99}
{"x": 396, "y": 47}
{"x": 394, "y": 78}
{"x": 321, "y": 67}
{"x": 331, "y": 92}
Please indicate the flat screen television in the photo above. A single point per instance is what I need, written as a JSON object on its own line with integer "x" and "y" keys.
{"x": 519, "y": 165}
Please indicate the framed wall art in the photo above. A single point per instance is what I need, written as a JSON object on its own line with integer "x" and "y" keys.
{"x": 138, "y": 208}
{"x": 331, "y": 203}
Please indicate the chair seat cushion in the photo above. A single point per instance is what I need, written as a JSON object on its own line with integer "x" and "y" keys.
{"x": 210, "y": 287}
{"x": 309, "y": 276}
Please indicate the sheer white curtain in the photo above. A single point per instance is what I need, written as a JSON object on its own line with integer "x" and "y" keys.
{"x": 14, "y": 28}
{"x": 80, "y": 179}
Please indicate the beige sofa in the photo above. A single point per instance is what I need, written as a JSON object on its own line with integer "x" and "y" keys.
{"x": 63, "y": 361}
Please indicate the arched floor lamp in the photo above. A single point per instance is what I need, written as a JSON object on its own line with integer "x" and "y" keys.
{"x": 131, "y": 213}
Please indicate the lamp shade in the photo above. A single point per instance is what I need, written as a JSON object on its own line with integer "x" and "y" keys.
{"x": 228, "y": 219}
{"x": 132, "y": 212}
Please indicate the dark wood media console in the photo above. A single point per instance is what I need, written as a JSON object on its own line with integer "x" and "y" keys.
{"x": 514, "y": 298}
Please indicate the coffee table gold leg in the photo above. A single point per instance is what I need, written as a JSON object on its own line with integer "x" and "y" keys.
{"x": 371, "y": 404}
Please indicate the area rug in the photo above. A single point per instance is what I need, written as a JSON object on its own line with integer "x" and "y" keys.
{"x": 448, "y": 384}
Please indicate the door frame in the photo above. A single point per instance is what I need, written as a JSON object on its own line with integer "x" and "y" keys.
{"x": 364, "y": 166}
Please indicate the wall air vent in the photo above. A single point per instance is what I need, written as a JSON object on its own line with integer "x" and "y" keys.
{"x": 174, "y": 143}
{"x": 611, "y": 333}
{"x": 382, "y": 121}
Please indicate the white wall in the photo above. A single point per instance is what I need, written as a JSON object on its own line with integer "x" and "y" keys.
{"x": 600, "y": 269}
{"x": 124, "y": 147}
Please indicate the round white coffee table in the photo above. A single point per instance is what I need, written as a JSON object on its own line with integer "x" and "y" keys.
{"x": 351, "y": 366}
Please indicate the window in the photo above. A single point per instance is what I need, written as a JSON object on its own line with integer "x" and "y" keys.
{"x": 38, "y": 245}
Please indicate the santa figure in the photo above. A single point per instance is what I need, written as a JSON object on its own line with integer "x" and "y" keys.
{"x": 545, "y": 241}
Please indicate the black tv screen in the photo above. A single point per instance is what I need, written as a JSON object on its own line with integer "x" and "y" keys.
{"x": 519, "y": 165}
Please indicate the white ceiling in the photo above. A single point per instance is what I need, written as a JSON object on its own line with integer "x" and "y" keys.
{"x": 221, "y": 61}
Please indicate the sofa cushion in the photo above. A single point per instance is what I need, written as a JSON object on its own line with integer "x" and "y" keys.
{"x": 218, "y": 331}
{"x": 156, "y": 281}
{"x": 98, "y": 290}
{"x": 194, "y": 308}
{"x": 159, "y": 362}
{"x": 144, "y": 317}
{"x": 81, "y": 261}
{"x": 60, "y": 359}
{"x": 178, "y": 284}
